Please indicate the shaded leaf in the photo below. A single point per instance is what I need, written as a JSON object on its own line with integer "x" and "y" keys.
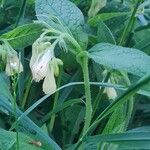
{"x": 104, "y": 34}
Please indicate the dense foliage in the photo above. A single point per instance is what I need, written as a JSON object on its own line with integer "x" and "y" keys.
{"x": 74, "y": 74}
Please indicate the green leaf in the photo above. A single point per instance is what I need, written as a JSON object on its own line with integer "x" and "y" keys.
{"x": 134, "y": 140}
{"x": 62, "y": 15}
{"x": 28, "y": 126}
{"x": 23, "y": 36}
{"x": 104, "y": 34}
{"x": 73, "y": 117}
{"x": 116, "y": 122}
{"x": 143, "y": 45}
{"x": 106, "y": 16}
{"x": 122, "y": 98}
{"x": 8, "y": 140}
{"x": 61, "y": 107}
{"x": 5, "y": 86}
{"x": 124, "y": 59}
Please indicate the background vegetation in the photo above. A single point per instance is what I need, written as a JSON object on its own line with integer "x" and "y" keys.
{"x": 102, "y": 96}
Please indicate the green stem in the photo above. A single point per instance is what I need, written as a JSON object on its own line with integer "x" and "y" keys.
{"x": 88, "y": 114}
{"x": 14, "y": 85}
{"x": 52, "y": 120}
{"x": 99, "y": 96}
{"x": 120, "y": 100}
{"x": 21, "y": 12}
{"x": 130, "y": 25}
{"x": 24, "y": 101}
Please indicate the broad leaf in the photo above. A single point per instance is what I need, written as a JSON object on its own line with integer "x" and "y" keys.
{"x": 23, "y": 36}
{"x": 62, "y": 15}
{"x": 124, "y": 59}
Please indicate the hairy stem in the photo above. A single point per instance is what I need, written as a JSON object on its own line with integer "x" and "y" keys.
{"x": 88, "y": 114}
{"x": 120, "y": 100}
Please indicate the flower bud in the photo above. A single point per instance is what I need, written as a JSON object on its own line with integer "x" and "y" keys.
{"x": 55, "y": 65}
{"x": 13, "y": 65}
{"x": 111, "y": 93}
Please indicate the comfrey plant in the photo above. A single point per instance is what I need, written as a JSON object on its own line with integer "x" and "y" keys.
{"x": 44, "y": 64}
{"x": 90, "y": 69}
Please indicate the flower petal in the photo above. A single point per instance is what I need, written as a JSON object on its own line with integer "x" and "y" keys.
{"x": 49, "y": 85}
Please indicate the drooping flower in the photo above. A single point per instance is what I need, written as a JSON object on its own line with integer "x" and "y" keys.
{"x": 42, "y": 64}
{"x": 10, "y": 56}
{"x": 13, "y": 65}
{"x": 110, "y": 91}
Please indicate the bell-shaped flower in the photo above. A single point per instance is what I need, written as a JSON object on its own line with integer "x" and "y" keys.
{"x": 49, "y": 84}
{"x": 111, "y": 93}
{"x": 40, "y": 67}
{"x": 13, "y": 64}
{"x": 41, "y": 64}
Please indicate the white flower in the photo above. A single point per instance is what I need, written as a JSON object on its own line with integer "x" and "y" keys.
{"x": 49, "y": 84}
{"x": 111, "y": 93}
{"x": 13, "y": 64}
{"x": 42, "y": 66}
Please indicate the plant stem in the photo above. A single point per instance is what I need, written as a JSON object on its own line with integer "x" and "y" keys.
{"x": 130, "y": 25}
{"x": 14, "y": 85}
{"x": 88, "y": 114}
{"x": 99, "y": 96}
{"x": 52, "y": 120}
{"x": 120, "y": 100}
{"x": 21, "y": 12}
{"x": 24, "y": 101}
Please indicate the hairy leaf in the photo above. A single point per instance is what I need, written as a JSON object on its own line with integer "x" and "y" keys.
{"x": 62, "y": 15}
{"x": 23, "y": 36}
{"x": 121, "y": 58}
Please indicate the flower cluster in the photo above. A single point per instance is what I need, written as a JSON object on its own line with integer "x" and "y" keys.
{"x": 44, "y": 64}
